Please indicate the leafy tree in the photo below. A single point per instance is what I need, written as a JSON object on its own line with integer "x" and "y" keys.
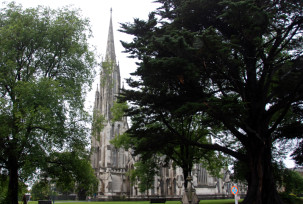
{"x": 293, "y": 182}
{"x": 4, "y": 181}
{"x": 3, "y": 187}
{"x": 236, "y": 62}
{"x": 72, "y": 171}
{"x": 40, "y": 190}
{"x": 118, "y": 111}
{"x": 144, "y": 173}
{"x": 162, "y": 139}
{"x": 298, "y": 154}
{"x": 45, "y": 68}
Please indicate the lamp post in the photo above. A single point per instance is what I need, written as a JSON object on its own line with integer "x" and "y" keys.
{"x": 53, "y": 193}
{"x": 51, "y": 190}
{"x": 49, "y": 187}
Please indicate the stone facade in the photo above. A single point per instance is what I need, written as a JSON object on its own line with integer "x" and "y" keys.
{"x": 111, "y": 164}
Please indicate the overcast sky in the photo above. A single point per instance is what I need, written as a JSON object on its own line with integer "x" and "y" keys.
{"x": 98, "y": 11}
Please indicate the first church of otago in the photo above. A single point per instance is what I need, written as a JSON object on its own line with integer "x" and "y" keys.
{"x": 111, "y": 164}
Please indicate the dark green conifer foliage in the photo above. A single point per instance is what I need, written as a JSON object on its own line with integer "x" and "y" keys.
{"x": 236, "y": 62}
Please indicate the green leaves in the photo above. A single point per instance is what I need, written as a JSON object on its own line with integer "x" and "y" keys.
{"x": 107, "y": 68}
{"x": 123, "y": 141}
{"x": 118, "y": 111}
{"x": 143, "y": 173}
{"x": 98, "y": 123}
{"x": 46, "y": 66}
{"x": 226, "y": 68}
{"x": 293, "y": 182}
{"x": 69, "y": 171}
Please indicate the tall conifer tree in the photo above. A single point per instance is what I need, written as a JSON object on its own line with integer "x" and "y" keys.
{"x": 236, "y": 62}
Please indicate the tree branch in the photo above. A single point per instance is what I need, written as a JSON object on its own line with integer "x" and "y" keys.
{"x": 217, "y": 147}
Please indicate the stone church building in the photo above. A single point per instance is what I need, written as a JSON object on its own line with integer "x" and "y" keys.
{"x": 111, "y": 164}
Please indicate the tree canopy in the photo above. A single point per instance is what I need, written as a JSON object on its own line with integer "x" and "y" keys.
{"x": 46, "y": 66}
{"x": 238, "y": 63}
{"x": 71, "y": 172}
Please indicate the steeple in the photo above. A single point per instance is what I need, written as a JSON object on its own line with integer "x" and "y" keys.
{"x": 109, "y": 76}
{"x": 110, "y": 49}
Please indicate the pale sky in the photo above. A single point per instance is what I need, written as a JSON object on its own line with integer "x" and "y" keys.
{"x": 98, "y": 12}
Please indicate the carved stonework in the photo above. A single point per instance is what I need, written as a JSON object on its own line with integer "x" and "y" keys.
{"x": 112, "y": 164}
{"x": 109, "y": 162}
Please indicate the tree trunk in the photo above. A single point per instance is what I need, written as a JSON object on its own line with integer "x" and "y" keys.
{"x": 261, "y": 183}
{"x": 13, "y": 181}
{"x": 82, "y": 195}
{"x": 186, "y": 173}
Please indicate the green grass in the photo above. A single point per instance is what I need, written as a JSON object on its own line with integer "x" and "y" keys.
{"x": 225, "y": 201}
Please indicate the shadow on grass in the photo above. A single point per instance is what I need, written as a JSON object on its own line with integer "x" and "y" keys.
{"x": 225, "y": 201}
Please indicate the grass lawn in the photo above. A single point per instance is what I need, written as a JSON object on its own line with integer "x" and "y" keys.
{"x": 225, "y": 201}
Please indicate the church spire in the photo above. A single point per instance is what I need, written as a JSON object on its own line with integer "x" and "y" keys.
{"x": 110, "y": 49}
{"x": 110, "y": 75}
